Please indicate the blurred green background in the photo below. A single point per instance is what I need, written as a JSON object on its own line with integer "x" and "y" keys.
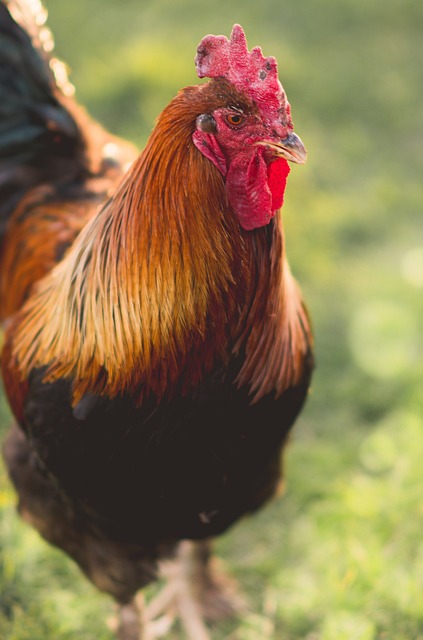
{"x": 341, "y": 556}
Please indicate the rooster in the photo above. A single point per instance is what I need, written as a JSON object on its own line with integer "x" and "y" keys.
{"x": 157, "y": 350}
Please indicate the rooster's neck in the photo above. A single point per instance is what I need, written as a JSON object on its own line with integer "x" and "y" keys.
{"x": 161, "y": 286}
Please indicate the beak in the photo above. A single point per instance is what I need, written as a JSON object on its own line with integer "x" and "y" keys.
{"x": 291, "y": 148}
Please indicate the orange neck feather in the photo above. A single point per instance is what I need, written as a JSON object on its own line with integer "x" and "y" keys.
{"x": 161, "y": 284}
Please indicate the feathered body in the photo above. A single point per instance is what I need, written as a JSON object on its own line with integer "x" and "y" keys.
{"x": 157, "y": 352}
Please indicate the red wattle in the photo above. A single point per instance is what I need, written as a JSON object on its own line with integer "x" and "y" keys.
{"x": 277, "y": 173}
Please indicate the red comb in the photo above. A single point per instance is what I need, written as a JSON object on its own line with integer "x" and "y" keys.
{"x": 249, "y": 71}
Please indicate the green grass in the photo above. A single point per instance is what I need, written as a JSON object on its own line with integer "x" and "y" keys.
{"x": 341, "y": 556}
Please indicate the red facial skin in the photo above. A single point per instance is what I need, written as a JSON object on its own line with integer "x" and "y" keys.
{"x": 255, "y": 175}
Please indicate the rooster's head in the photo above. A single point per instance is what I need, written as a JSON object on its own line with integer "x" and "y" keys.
{"x": 250, "y": 138}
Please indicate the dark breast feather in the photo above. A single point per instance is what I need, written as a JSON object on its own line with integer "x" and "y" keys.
{"x": 186, "y": 468}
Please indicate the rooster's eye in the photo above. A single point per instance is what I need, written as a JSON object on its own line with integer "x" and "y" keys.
{"x": 234, "y": 119}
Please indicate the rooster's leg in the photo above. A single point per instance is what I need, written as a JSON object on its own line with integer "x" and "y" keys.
{"x": 188, "y": 605}
{"x": 194, "y": 592}
{"x": 130, "y": 626}
{"x": 216, "y": 592}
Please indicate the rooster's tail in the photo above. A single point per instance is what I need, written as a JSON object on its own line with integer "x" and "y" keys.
{"x": 44, "y": 135}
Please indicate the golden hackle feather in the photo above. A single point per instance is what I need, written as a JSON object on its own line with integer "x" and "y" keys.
{"x": 154, "y": 292}
{"x": 278, "y": 340}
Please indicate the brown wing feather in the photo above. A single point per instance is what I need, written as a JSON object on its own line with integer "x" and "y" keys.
{"x": 43, "y": 226}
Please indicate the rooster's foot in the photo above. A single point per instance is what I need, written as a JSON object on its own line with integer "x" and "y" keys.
{"x": 195, "y": 592}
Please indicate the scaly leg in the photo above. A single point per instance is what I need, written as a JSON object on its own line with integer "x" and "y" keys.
{"x": 130, "y": 625}
{"x": 216, "y": 591}
{"x": 194, "y": 592}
